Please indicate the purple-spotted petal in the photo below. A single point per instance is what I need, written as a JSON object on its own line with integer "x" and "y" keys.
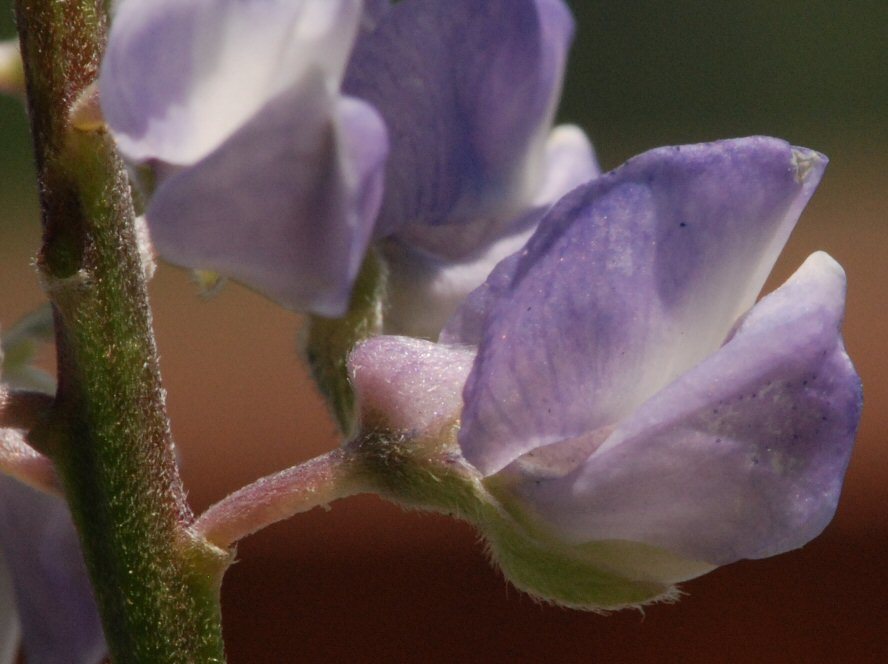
{"x": 628, "y": 282}
{"x": 467, "y": 90}
{"x": 286, "y": 205}
{"x": 409, "y": 384}
{"x": 741, "y": 457}
{"x": 181, "y": 76}
{"x": 59, "y": 619}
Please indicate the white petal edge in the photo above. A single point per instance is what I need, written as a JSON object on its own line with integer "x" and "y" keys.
{"x": 181, "y": 76}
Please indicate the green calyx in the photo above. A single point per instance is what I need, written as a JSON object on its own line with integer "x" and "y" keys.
{"x": 578, "y": 576}
{"x": 431, "y": 474}
{"x": 327, "y": 342}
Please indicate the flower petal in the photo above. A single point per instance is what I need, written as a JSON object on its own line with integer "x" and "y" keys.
{"x": 59, "y": 619}
{"x": 426, "y": 290}
{"x": 627, "y": 283}
{"x": 467, "y": 90}
{"x": 286, "y": 205}
{"x": 180, "y": 76}
{"x": 427, "y": 286}
{"x": 570, "y": 162}
{"x": 409, "y": 385}
{"x": 741, "y": 457}
{"x": 469, "y": 322}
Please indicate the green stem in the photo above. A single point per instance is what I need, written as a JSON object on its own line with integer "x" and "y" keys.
{"x": 156, "y": 582}
{"x": 328, "y": 341}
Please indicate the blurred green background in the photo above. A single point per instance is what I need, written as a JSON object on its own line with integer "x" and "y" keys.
{"x": 369, "y": 583}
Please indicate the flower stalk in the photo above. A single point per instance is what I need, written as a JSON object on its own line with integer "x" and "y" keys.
{"x": 301, "y": 488}
{"x": 157, "y": 585}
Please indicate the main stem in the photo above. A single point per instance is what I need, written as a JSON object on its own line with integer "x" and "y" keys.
{"x": 157, "y": 584}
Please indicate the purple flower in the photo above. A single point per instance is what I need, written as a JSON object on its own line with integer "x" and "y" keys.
{"x": 270, "y": 175}
{"x": 468, "y": 92}
{"x": 46, "y": 591}
{"x": 266, "y": 172}
{"x": 45, "y": 597}
{"x": 627, "y": 397}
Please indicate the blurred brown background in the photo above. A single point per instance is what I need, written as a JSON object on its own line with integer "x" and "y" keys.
{"x": 367, "y": 582}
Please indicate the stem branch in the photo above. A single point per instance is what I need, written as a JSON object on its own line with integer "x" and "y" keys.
{"x": 21, "y": 461}
{"x": 277, "y": 497}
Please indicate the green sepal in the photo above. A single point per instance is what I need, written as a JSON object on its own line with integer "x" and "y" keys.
{"x": 590, "y": 577}
{"x": 431, "y": 474}
{"x": 327, "y": 342}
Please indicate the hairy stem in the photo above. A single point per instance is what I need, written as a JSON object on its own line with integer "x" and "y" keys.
{"x": 156, "y": 583}
{"x": 280, "y": 496}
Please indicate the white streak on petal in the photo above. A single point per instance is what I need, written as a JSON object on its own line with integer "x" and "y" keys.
{"x": 570, "y": 162}
{"x": 181, "y": 76}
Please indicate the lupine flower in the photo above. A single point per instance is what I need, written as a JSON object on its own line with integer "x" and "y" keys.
{"x": 623, "y": 397}
{"x": 266, "y": 173}
{"x": 45, "y": 595}
{"x": 468, "y": 92}
{"x": 271, "y": 176}
{"x": 50, "y": 591}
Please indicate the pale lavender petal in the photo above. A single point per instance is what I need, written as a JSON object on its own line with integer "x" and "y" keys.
{"x": 373, "y": 12}
{"x": 469, "y": 322}
{"x": 409, "y": 385}
{"x": 426, "y": 290}
{"x": 570, "y": 162}
{"x": 427, "y": 286}
{"x": 741, "y": 457}
{"x": 181, "y": 76}
{"x": 628, "y": 282}
{"x": 286, "y": 205}
{"x": 467, "y": 90}
{"x": 59, "y": 619}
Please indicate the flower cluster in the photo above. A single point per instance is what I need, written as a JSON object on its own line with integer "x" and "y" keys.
{"x": 284, "y": 136}
{"x": 622, "y": 385}
{"x": 589, "y": 345}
